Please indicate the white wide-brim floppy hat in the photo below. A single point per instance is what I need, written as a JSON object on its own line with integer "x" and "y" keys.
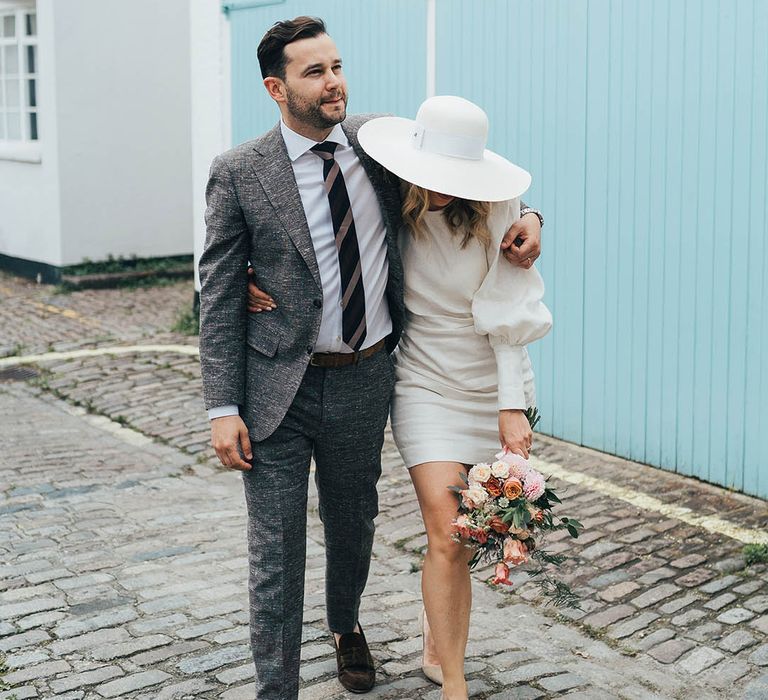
{"x": 443, "y": 150}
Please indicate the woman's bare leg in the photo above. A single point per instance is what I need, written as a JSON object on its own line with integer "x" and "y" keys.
{"x": 445, "y": 581}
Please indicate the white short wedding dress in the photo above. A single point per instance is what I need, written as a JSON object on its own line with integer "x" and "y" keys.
{"x": 462, "y": 356}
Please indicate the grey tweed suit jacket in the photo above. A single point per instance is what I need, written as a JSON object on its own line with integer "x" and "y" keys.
{"x": 255, "y": 214}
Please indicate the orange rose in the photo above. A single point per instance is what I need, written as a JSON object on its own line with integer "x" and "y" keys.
{"x": 493, "y": 487}
{"x": 513, "y": 488}
{"x": 498, "y": 525}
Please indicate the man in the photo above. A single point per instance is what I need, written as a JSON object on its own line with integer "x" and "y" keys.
{"x": 317, "y": 219}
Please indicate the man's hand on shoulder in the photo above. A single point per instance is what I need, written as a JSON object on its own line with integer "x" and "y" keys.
{"x": 229, "y": 437}
{"x": 522, "y": 243}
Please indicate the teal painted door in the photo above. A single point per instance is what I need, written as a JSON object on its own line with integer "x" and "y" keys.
{"x": 381, "y": 43}
{"x": 644, "y": 125}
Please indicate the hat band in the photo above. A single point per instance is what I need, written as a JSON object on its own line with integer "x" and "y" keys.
{"x": 447, "y": 144}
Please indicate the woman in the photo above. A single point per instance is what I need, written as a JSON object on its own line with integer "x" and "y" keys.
{"x": 464, "y": 379}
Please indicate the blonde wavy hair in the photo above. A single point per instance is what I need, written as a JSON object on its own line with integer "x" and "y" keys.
{"x": 466, "y": 218}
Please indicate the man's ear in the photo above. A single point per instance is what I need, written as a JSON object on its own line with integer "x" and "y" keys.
{"x": 275, "y": 88}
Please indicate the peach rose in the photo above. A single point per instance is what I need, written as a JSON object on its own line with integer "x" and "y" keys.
{"x": 520, "y": 532}
{"x": 513, "y": 488}
{"x": 500, "y": 469}
{"x": 498, "y": 525}
{"x": 515, "y": 552}
{"x": 474, "y": 497}
{"x": 493, "y": 487}
{"x": 480, "y": 473}
{"x": 480, "y": 536}
{"x": 501, "y": 575}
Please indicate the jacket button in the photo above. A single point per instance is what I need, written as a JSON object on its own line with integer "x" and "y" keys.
{"x": 318, "y": 303}
{"x": 309, "y": 349}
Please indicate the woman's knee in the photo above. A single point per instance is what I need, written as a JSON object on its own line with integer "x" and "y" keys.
{"x": 444, "y": 548}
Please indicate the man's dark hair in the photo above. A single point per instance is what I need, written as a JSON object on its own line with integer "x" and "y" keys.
{"x": 270, "y": 52}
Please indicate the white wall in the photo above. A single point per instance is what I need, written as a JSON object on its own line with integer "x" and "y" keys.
{"x": 29, "y": 191}
{"x": 123, "y": 85}
{"x": 211, "y": 114}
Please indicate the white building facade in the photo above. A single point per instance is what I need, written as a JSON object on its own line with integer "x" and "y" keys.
{"x": 110, "y": 113}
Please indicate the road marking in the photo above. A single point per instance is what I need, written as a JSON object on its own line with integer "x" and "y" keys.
{"x": 96, "y": 352}
{"x": 645, "y": 502}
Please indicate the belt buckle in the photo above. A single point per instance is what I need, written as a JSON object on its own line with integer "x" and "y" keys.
{"x": 312, "y": 360}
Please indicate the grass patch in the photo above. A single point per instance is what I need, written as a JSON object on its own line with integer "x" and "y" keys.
{"x": 755, "y": 554}
{"x": 187, "y": 323}
{"x": 121, "y": 272}
{"x": 119, "y": 264}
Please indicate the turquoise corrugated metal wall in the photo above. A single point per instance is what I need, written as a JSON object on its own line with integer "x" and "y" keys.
{"x": 381, "y": 43}
{"x": 645, "y": 127}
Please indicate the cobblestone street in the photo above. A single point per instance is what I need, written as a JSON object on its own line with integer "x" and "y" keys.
{"x": 123, "y": 544}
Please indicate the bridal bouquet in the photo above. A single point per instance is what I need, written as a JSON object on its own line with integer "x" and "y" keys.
{"x": 505, "y": 510}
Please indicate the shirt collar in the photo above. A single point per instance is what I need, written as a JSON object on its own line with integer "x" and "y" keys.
{"x": 297, "y": 145}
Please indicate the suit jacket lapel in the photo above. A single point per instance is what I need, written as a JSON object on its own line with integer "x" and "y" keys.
{"x": 275, "y": 173}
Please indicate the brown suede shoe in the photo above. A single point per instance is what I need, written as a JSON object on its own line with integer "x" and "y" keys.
{"x": 355, "y": 663}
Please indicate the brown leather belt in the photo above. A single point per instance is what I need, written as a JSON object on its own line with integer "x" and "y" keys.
{"x": 342, "y": 359}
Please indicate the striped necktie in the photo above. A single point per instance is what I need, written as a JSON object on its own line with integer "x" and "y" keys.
{"x": 352, "y": 292}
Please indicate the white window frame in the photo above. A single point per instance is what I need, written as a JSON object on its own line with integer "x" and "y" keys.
{"x": 25, "y": 148}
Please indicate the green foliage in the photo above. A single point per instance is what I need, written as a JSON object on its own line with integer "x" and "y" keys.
{"x": 554, "y": 591}
{"x": 533, "y": 416}
{"x": 187, "y": 322}
{"x": 120, "y": 264}
{"x": 3, "y": 671}
{"x": 755, "y": 554}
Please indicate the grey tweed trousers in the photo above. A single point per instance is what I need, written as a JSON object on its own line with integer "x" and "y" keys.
{"x": 338, "y": 416}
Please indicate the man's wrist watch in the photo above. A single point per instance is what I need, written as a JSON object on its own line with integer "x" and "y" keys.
{"x": 531, "y": 210}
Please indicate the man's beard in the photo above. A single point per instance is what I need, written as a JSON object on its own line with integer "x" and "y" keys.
{"x": 311, "y": 112}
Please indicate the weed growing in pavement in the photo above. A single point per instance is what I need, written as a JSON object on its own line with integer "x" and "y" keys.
{"x": 3, "y": 670}
{"x": 187, "y": 323}
{"x": 16, "y": 350}
{"x": 593, "y": 632}
{"x": 755, "y": 554}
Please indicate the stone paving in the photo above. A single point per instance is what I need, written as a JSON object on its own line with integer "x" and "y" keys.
{"x": 123, "y": 552}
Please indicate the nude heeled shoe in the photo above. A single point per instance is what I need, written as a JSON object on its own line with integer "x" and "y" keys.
{"x": 432, "y": 671}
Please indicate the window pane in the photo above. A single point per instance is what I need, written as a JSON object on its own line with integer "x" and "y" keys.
{"x": 12, "y": 94}
{"x": 11, "y": 62}
{"x": 9, "y": 26}
{"x": 31, "y": 21}
{"x": 14, "y": 126}
{"x": 31, "y": 56}
{"x": 33, "y": 126}
{"x": 31, "y": 93}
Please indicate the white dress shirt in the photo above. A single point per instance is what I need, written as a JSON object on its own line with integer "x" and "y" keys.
{"x": 371, "y": 239}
